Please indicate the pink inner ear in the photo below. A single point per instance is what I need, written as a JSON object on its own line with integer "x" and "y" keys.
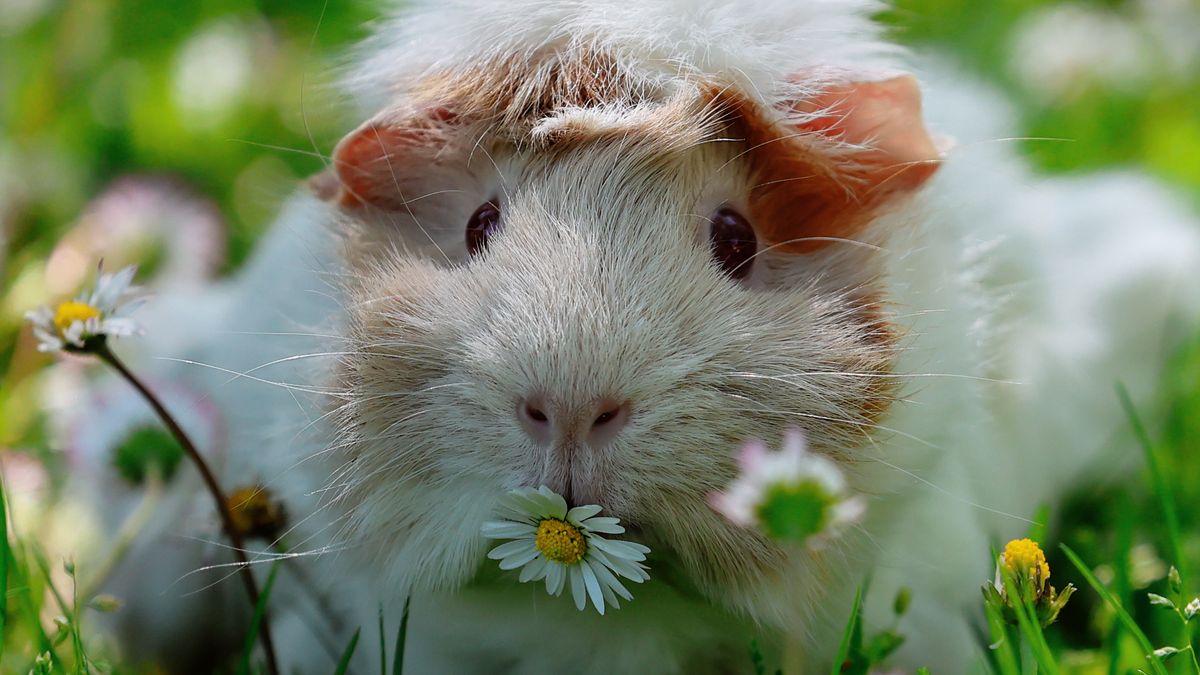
{"x": 884, "y": 117}
{"x": 366, "y": 162}
{"x": 373, "y": 161}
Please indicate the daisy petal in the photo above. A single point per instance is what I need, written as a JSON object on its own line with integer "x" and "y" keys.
{"x": 512, "y": 548}
{"x": 556, "y": 578}
{"x": 42, "y": 316}
{"x": 555, "y": 500}
{"x": 626, "y": 568}
{"x": 608, "y": 581}
{"x": 533, "y": 571}
{"x": 621, "y": 549}
{"x": 581, "y": 513}
{"x": 604, "y": 525}
{"x": 515, "y": 560}
{"x": 577, "y": 587}
{"x": 609, "y": 598}
{"x": 593, "y": 587}
{"x": 523, "y": 503}
{"x": 506, "y": 529}
{"x": 110, "y": 288}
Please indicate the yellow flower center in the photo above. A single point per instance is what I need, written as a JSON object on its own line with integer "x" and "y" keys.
{"x": 1024, "y": 557}
{"x": 560, "y": 541}
{"x": 70, "y": 312}
{"x": 255, "y": 511}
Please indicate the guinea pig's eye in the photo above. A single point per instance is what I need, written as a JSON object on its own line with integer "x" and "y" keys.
{"x": 482, "y": 225}
{"x": 733, "y": 242}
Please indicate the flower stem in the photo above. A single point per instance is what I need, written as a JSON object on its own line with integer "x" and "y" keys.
{"x": 231, "y": 530}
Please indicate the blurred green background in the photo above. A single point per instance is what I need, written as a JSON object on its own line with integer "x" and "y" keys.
{"x": 136, "y": 127}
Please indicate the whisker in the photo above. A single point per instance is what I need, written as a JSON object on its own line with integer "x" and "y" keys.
{"x": 283, "y": 385}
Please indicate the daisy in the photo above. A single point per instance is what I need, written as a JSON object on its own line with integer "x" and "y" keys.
{"x": 792, "y": 494}
{"x": 558, "y": 544}
{"x": 72, "y": 324}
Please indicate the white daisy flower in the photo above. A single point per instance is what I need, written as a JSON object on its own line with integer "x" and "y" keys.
{"x": 792, "y": 494}
{"x": 558, "y": 544}
{"x": 70, "y": 325}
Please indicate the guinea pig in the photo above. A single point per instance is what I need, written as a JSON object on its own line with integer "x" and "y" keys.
{"x": 598, "y": 246}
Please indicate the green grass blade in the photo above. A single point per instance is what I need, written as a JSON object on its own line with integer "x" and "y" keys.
{"x": 1162, "y": 487}
{"x": 1031, "y": 629}
{"x": 5, "y": 554}
{"x": 401, "y": 636}
{"x": 82, "y": 663}
{"x": 67, "y": 610}
{"x": 756, "y": 659}
{"x": 1003, "y": 656}
{"x": 1122, "y": 586}
{"x": 382, "y": 645}
{"x": 848, "y": 634}
{"x": 344, "y": 662}
{"x": 1122, "y": 615}
{"x": 19, "y": 566}
{"x": 260, "y": 610}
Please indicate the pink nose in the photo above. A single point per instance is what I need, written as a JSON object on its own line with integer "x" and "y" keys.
{"x": 594, "y": 424}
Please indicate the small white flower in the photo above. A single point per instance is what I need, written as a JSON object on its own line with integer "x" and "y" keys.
{"x": 1192, "y": 609}
{"x": 558, "y": 544}
{"x": 70, "y": 324}
{"x": 790, "y": 494}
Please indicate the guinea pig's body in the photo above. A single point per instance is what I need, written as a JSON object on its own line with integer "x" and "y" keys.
{"x": 536, "y": 215}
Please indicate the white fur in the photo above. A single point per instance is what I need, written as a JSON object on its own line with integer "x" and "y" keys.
{"x": 1022, "y": 300}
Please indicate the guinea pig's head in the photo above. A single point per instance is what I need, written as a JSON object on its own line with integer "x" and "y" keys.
{"x": 604, "y": 288}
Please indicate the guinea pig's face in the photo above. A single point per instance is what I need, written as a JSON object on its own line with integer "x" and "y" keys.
{"x": 608, "y": 304}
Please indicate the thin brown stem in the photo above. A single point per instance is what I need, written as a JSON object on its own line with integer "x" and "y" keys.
{"x": 227, "y": 521}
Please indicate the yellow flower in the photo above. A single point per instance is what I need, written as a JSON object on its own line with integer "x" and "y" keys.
{"x": 560, "y": 541}
{"x": 256, "y": 512}
{"x": 1025, "y": 557}
{"x": 1027, "y": 582}
{"x": 69, "y": 312}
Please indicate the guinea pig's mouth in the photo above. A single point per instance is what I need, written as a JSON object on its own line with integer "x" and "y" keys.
{"x": 577, "y": 491}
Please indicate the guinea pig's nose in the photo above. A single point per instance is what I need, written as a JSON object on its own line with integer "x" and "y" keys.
{"x": 595, "y": 423}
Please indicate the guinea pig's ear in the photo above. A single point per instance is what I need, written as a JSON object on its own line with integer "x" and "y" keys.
{"x": 374, "y": 164}
{"x": 844, "y": 154}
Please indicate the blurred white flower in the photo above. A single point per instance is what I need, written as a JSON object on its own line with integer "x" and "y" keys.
{"x": 25, "y": 482}
{"x": 1062, "y": 50}
{"x": 113, "y": 440}
{"x": 141, "y": 218}
{"x": 792, "y": 494}
{"x": 558, "y": 544}
{"x": 69, "y": 325}
{"x": 17, "y": 15}
{"x": 219, "y": 68}
{"x": 1174, "y": 25}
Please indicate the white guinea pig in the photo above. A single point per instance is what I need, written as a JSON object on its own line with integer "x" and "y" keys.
{"x": 599, "y": 245}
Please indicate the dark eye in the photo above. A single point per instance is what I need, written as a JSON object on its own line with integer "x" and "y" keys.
{"x": 482, "y": 225}
{"x": 733, "y": 242}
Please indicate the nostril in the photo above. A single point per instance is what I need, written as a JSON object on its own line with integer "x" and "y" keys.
{"x": 606, "y": 417}
{"x": 607, "y": 425}
{"x": 535, "y": 414}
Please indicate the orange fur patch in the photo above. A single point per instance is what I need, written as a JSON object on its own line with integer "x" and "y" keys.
{"x": 824, "y": 179}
